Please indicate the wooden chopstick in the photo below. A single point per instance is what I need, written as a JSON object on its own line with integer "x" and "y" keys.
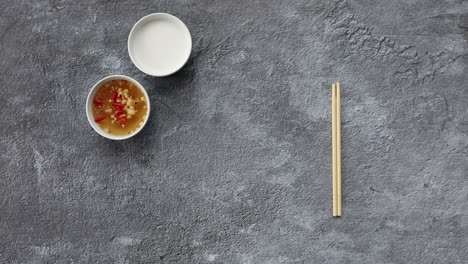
{"x": 336, "y": 148}
{"x": 334, "y": 179}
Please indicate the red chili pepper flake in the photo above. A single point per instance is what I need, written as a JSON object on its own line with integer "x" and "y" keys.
{"x": 99, "y": 119}
{"x": 115, "y": 95}
{"x": 122, "y": 120}
{"x": 98, "y": 102}
{"x": 118, "y": 105}
{"x": 119, "y": 112}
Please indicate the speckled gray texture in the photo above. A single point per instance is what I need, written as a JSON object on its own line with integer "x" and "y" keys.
{"x": 234, "y": 164}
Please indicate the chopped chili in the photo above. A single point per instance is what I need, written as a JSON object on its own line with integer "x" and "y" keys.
{"x": 120, "y": 105}
{"x": 115, "y": 95}
{"x": 99, "y": 119}
{"x": 98, "y": 102}
{"x": 119, "y": 112}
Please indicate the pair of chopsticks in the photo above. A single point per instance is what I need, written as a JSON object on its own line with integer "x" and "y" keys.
{"x": 336, "y": 145}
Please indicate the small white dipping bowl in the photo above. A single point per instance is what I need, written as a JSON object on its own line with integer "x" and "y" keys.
{"x": 159, "y": 44}
{"x": 89, "y": 104}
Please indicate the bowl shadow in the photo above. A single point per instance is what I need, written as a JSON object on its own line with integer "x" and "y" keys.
{"x": 169, "y": 85}
{"x": 165, "y": 94}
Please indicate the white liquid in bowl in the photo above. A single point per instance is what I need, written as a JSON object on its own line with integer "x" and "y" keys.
{"x": 159, "y": 44}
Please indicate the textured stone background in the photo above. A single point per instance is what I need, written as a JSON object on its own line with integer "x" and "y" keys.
{"x": 234, "y": 165}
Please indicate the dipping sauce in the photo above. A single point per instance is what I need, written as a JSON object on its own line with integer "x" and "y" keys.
{"x": 119, "y": 107}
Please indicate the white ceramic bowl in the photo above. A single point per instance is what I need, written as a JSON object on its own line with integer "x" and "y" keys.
{"x": 159, "y": 44}
{"x": 89, "y": 103}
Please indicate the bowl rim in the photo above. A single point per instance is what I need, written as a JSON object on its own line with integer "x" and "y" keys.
{"x": 89, "y": 112}
{"x": 141, "y": 21}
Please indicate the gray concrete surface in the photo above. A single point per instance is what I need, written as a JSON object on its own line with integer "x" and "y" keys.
{"x": 234, "y": 165}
